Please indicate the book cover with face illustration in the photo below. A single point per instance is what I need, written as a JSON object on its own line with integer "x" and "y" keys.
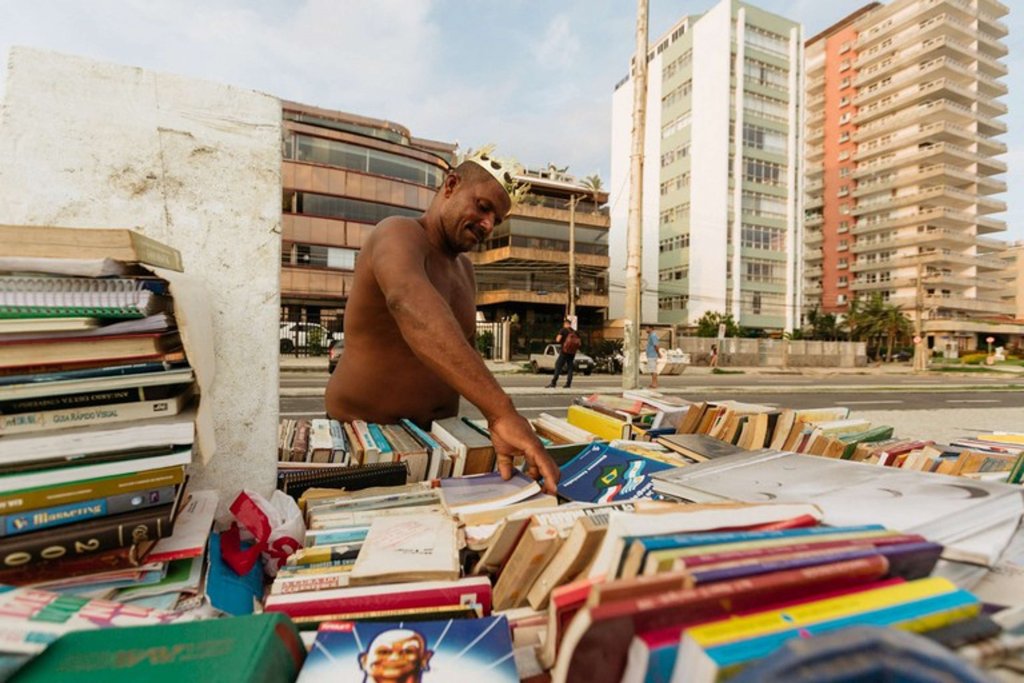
{"x": 412, "y": 652}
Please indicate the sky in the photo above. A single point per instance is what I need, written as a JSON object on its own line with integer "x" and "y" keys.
{"x": 534, "y": 77}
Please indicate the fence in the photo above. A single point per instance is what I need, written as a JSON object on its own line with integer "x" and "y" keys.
{"x": 310, "y": 338}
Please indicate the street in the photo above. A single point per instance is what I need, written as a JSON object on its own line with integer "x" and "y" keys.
{"x": 931, "y": 406}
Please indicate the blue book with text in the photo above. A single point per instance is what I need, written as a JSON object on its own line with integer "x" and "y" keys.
{"x": 602, "y": 474}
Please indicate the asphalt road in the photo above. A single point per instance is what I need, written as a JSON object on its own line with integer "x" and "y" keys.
{"x": 859, "y": 392}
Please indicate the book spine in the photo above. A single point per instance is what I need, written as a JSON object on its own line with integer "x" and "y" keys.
{"x": 60, "y": 515}
{"x": 91, "y": 398}
{"x": 24, "y": 423}
{"x": 78, "y": 491}
{"x": 63, "y": 569}
{"x": 323, "y": 602}
{"x": 88, "y": 537}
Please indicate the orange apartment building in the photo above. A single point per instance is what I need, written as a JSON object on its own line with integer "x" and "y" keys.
{"x": 902, "y": 150}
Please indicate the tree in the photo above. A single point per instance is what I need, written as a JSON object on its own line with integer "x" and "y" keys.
{"x": 823, "y": 326}
{"x": 895, "y": 326}
{"x": 878, "y": 323}
{"x": 708, "y": 324}
{"x": 594, "y": 184}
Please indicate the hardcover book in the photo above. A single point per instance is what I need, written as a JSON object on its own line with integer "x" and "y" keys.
{"x": 452, "y": 650}
{"x": 263, "y": 648}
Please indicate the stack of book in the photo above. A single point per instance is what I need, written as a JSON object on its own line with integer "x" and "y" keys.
{"x": 96, "y": 416}
{"x": 669, "y": 598}
{"x": 452, "y": 447}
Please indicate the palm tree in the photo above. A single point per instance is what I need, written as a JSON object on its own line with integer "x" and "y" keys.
{"x": 594, "y": 184}
{"x": 895, "y": 325}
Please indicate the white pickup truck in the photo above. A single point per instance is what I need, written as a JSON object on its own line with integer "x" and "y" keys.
{"x": 545, "y": 362}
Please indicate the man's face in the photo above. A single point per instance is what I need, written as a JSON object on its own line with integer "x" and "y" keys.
{"x": 401, "y": 659}
{"x": 472, "y": 210}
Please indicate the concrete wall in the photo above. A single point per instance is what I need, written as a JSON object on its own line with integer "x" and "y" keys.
{"x": 191, "y": 163}
{"x": 776, "y": 352}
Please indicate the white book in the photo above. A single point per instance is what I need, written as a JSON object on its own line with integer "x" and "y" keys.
{"x": 61, "y": 475}
{"x": 458, "y": 448}
{"x": 97, "y": 384}
{"x": 418, "y": 546}
{"x": 84, "y": 441}
{"x": 371, "y": 454}
{"x": 321, "y": 443}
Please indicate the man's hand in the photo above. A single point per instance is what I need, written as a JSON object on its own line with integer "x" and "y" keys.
{"x": 512, "y": 435}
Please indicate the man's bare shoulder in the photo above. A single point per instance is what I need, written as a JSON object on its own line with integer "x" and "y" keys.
{"x": 398, "y": 228}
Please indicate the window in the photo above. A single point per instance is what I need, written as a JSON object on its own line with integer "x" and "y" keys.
{"x": 765, "y": 75}
{"x": 844, "y": 226}
{"x": 674, "y": 243}
{"x": 680, "y": 62}
{"x": 843, "y": 282}
{"x": 676, "y": 302}
{"x": 343, "y": 155}
{"x": 844, "y": 191}
{"x": 843, "y": 263}
{"x": 677, "y": 93}
{"x": 764, "y": 270}
{"x": 840, "y": 299}
{"x": 844, "y": 172}
{"x": 680, "y": 152}
{"x": 758, "y": 204}
{"x": 765, "y": 107}
{"x": 675, "y": 183}
{"x": 767, "y": 139}
{"x": 764, "y": 172}
{"x": 844, "y": 155}
{"x": 844, "y": 136}
{"x": 348, "y": 209}
{"x": 762, "y": 237}
{"x": 321, "y": 257}
{"x": 679, "y": 211}
{"x": 674, "y": 126}
{"x": 674, "y": 274}
{"x": 762, "y": 303}
{"x": 845, "y": 117}
{"x": 766, "y": 40}
{"x": 843, "y": 66}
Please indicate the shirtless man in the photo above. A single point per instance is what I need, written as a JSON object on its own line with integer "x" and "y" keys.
{"x": 411, "y": 319}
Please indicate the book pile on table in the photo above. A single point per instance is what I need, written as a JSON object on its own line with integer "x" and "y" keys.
{"x": 97, "y": 414}
{"x": 324, "y": 452}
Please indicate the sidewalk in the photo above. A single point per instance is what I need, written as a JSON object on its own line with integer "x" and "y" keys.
{"x": 319, "y": 364}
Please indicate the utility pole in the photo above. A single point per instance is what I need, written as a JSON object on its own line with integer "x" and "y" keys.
{"x": 573, "y": 201}
{"x": 634, "y": 229}
{"x": 920, "y": 363}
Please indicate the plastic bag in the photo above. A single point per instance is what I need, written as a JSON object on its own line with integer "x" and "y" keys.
{"x": 275, "y": 526}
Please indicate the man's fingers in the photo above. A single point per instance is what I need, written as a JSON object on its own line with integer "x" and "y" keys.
{"x": 505, "y": 466}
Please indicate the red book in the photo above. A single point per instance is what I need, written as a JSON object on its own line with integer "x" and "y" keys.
{"x": 794, "y": 550}
{"x": 595, "y": 646}
{"x": 115, "y": 347}
{"x": 395, "y": 596}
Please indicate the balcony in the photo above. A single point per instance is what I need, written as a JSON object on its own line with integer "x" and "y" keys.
{"x": 815, "y": 153}
{"x": 942, "y": 195}
{"x": 812, "y": 288}
{"x": 937, "y": 237}
{"x": 931, "y": 133}
{"x": 913, "y": 95}
{"x": 814, "y": 221}
{"x": 938, "y": 153}
{"x": 933, "y": 111}
{"x": 937, "y": 46}
{"x": 813, "y": 237}
{"x": 938, "y": 217}
{"x": 970, "y": 304}
{"x": 815, "y": 134}
{"x": 813, "y": 272}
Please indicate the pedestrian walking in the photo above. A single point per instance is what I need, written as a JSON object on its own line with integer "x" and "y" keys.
{"x": 652, "y": 356}
{"x": 713, "y": 362}
{"x": 569, "y": 343}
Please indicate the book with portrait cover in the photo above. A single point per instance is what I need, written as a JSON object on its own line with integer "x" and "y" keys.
{"x": 423, "y": 651}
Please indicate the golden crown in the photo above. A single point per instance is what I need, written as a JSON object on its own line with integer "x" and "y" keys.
{"x": 502, "y": 170}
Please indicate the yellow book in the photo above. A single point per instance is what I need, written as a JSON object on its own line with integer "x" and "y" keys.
{"x": 605, "y": 426}
{"x": 773, "y": 621}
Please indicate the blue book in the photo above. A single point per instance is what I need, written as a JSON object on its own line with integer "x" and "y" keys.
{"x": 452, "y": 650}
{"x": 652, "y": 543}
{"x": 383, "y": 445}
{"x": 602, "y": 474}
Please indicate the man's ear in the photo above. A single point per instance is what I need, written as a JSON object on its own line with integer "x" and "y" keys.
{"x": 451, "y": 181}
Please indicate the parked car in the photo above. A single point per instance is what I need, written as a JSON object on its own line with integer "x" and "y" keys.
{"x": 545, "y": 362}
{"x": 313, "y": 337}
{"x": 334, "y": 354}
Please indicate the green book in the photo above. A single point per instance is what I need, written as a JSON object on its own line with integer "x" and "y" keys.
{"x": 870, "y": 436}
{"x": 251, "y": 649}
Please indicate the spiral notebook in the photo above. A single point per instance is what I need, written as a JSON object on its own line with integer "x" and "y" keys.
{"x": 295, "y": 482}
{"x": 61, "y": 297}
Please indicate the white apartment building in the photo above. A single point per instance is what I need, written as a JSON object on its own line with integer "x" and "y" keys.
{"x": 722, "y": 209}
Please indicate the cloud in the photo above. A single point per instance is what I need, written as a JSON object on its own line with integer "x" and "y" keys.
{"x": 559, "y": 46}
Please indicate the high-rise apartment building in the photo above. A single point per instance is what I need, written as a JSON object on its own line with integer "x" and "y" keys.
{"x": 903, "y": 119}
{"x": 342, "y": 174}
{"x": 722, "y": 208}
